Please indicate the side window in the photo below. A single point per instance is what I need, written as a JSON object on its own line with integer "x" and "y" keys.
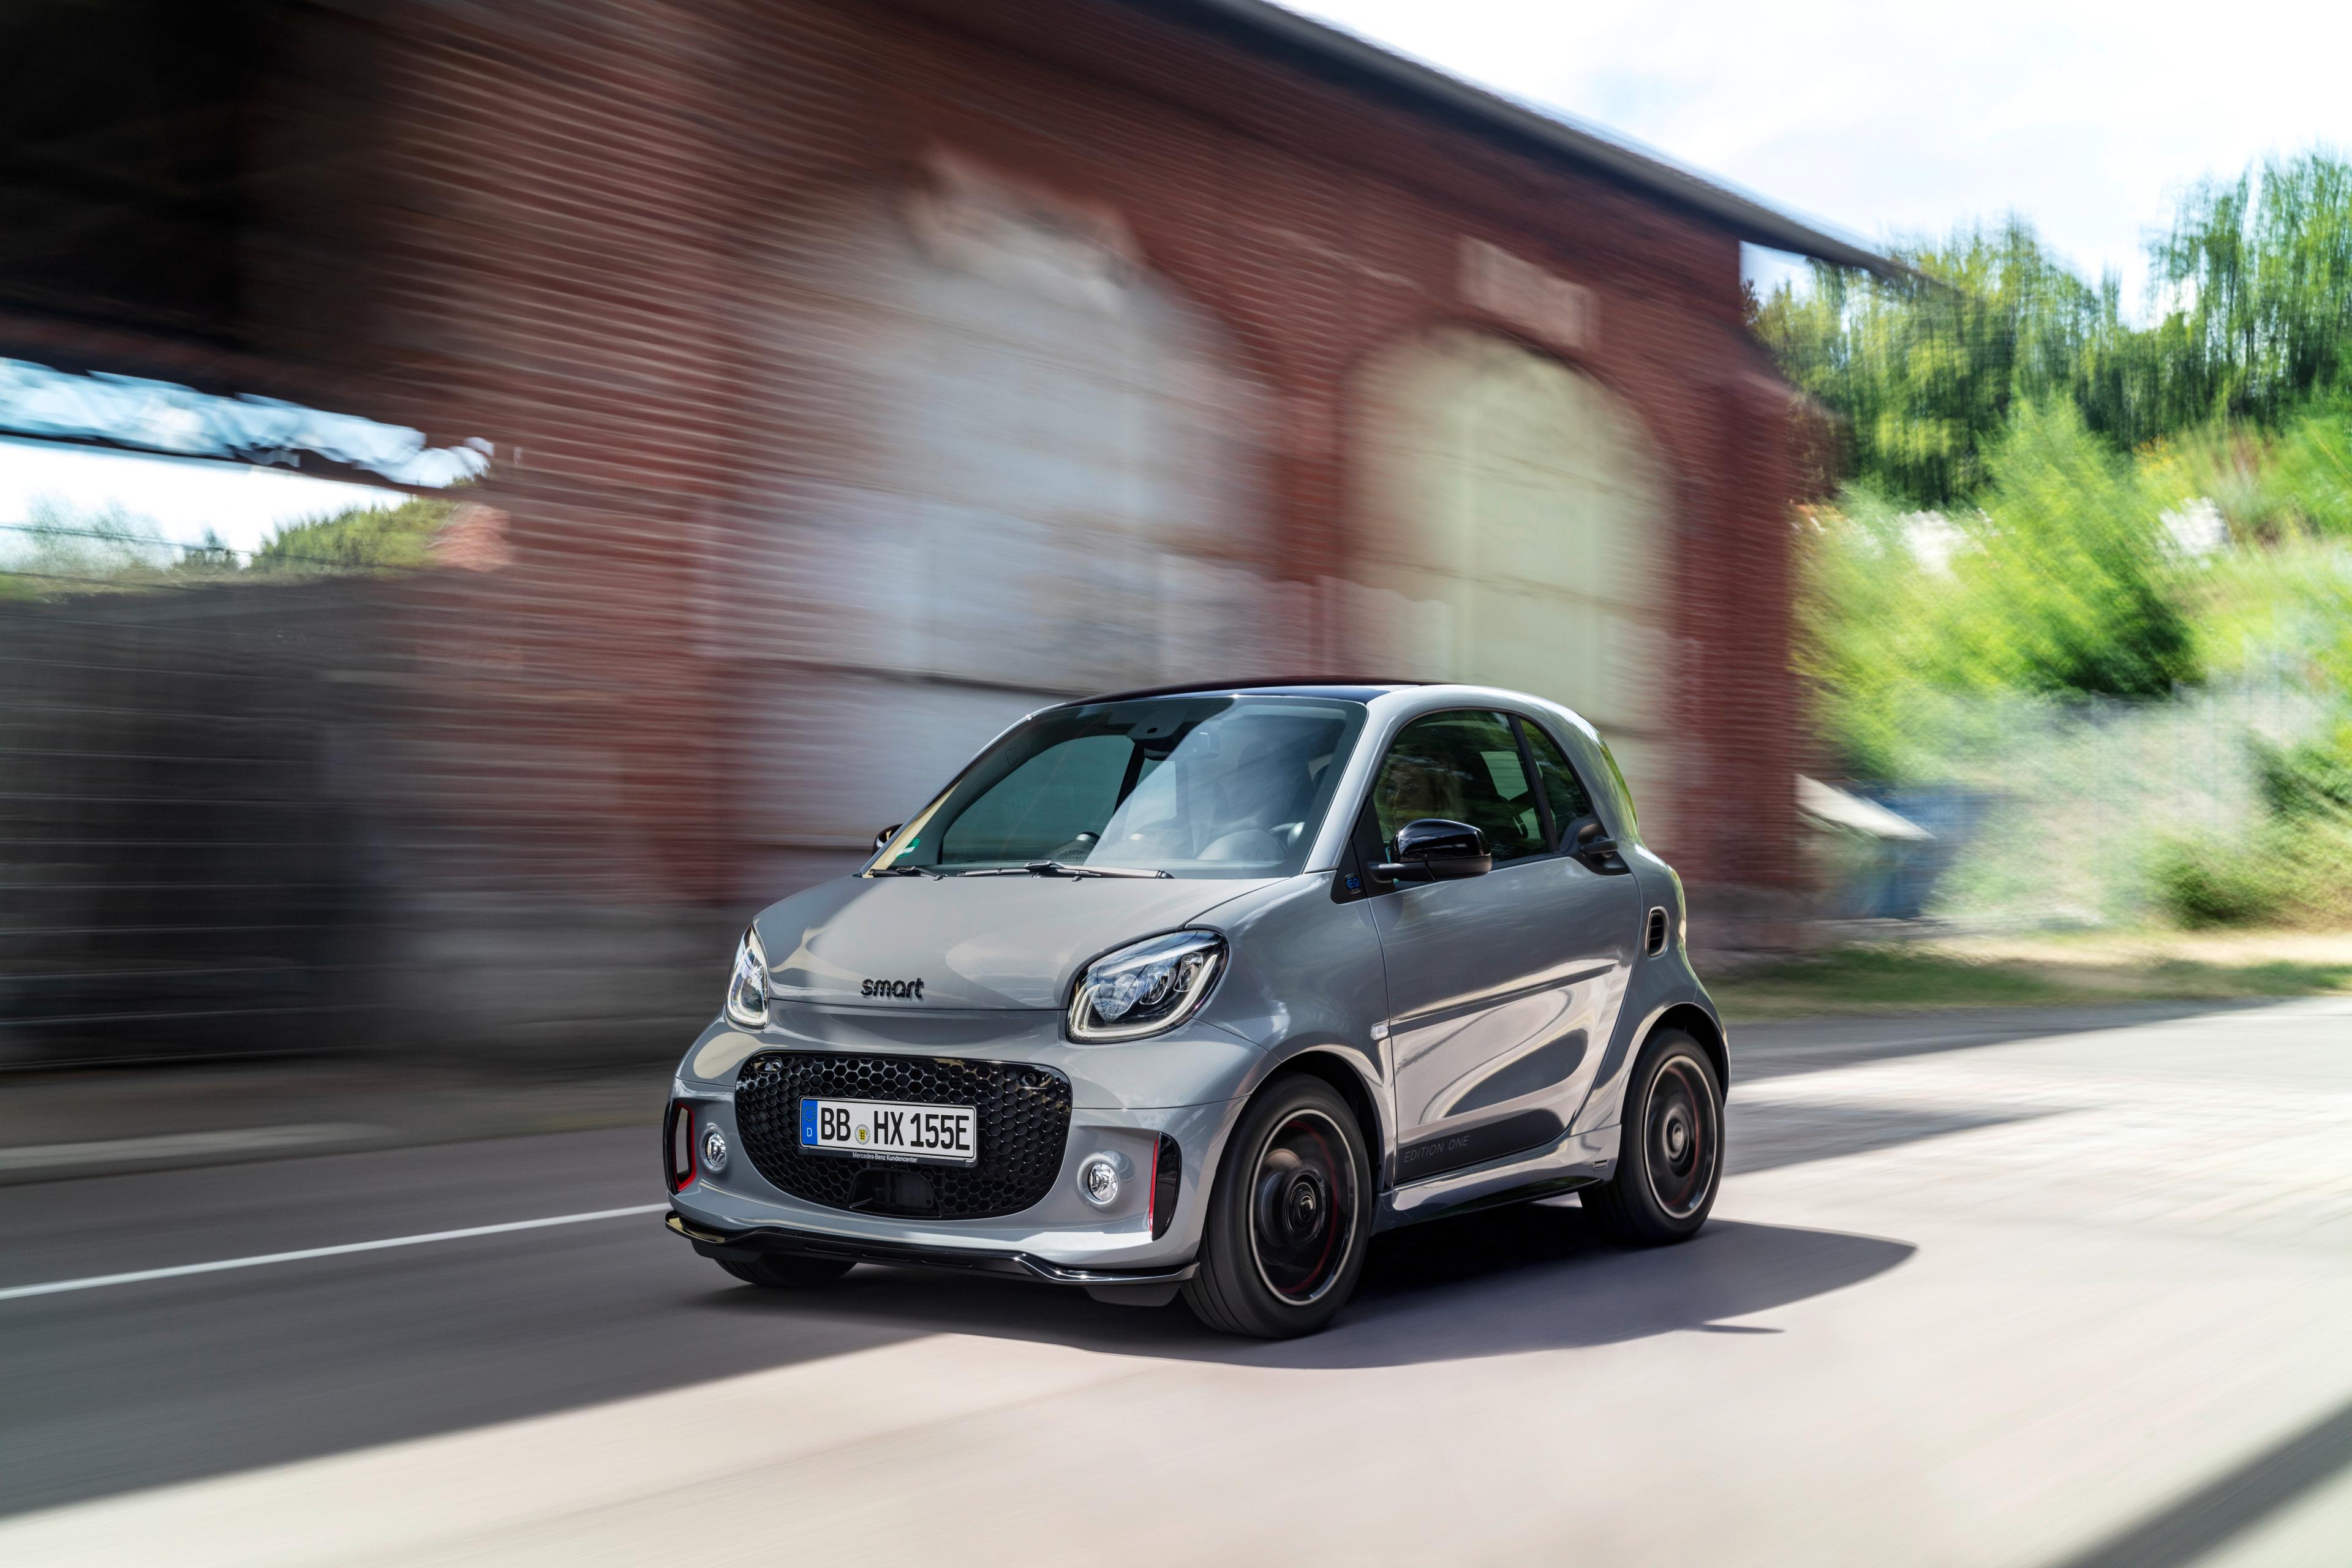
{"x": 1570, "y": 801}
{"x": 1464, "y": 767}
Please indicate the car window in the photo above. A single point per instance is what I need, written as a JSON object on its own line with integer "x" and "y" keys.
{"x": 1464, "y": 767}
{"x": 1195, "y": 786}
{"x": 1570, "y": 801}
{"x": 1028, "y": 817}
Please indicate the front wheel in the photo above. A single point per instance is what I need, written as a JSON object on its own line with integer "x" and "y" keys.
{"x": 1670, "y": 1147}
{"x": 1288, "y": 1218}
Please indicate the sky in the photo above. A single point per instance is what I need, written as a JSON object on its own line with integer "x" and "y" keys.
{"x": 1888, "y": 121}
{"x": 182, "y": 495}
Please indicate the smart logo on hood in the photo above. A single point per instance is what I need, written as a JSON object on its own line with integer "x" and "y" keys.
{"x": 913, "y": 988}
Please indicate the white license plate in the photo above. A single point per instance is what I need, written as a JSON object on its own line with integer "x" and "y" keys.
{"x": 892, "y": 1130}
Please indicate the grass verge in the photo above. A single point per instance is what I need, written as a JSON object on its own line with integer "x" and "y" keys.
{"x": 1888, "y": 979}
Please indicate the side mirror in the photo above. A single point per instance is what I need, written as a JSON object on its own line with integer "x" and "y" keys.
{"x": 1433, "y": 849}
{"x": 1593, "y": 844}
{"x": 887, "y": 834}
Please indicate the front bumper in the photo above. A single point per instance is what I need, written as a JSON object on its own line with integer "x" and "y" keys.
{"x": 1062, "y": 1230}
{"x": 1186, "y": 1089}
{"x": 746, "y": 1244}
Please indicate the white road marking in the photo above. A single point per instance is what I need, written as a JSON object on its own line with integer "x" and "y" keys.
{"x": 55, "y": 1286}
{"x": 176, "y": 1145}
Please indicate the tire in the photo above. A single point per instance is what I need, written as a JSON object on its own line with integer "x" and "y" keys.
{"x": 775, "y": 1272}
{"x": 1670, "y": 1147}
{"x": 1289, "y": 1217}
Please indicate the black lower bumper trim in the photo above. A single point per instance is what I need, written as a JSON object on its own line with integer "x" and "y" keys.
{"x": 813, "y": 1244}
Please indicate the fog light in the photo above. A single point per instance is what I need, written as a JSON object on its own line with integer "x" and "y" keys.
{"x": 714, "y": 1149}
{"x": 1099, "y": 1181}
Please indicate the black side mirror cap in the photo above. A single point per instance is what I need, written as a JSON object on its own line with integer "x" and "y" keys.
{"x": 887, "y": 834}
{"x": 1433, "y": 849}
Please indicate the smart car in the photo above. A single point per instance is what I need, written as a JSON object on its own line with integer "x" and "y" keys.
{"x": 1196, "y": 990}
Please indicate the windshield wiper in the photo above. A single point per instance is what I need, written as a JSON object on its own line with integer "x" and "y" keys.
{"x": 1064, "y": 868}
{"x": 906, "y": 871}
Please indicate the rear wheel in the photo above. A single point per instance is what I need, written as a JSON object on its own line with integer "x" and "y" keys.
{"x": 1670, "y": 1148}
{"x": 1288, "y": 1217}
{"x": 780, "y": 1273}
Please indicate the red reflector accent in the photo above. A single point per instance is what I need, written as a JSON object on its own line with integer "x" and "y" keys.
{"x": 1167, "y": 1178}
{"x": 1151, "y": 1192}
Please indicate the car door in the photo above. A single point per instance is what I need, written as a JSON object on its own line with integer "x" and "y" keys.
{"x": 1501, "y": 988}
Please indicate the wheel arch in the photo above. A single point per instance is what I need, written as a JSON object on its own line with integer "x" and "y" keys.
{"x": 1703, "y": 1027}
{"x": 1348, "y": 1080}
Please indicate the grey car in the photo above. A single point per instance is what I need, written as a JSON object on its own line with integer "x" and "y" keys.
{"x": 1195, "y": 989}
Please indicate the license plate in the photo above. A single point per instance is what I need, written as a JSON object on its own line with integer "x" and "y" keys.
{"x": 891, "y": 1130}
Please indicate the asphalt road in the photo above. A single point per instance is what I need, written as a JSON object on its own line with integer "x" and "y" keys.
{"x": 1974, "y": 1294}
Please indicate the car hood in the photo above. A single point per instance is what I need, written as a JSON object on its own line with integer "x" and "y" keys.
{"x": 973, "y": 942}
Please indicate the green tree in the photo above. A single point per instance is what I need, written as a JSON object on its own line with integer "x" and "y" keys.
{"x": 2253, "y": 278}
{"x": 60, "y": 548}
{"x": 357, "y": 539}
{"x": 2261, "y": 271}
{"x": 2071, "y": 588}
{"x": 1923, "y": 374}
{"x": 2062, "y": 584}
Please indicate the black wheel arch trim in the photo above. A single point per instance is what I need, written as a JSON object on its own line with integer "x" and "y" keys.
{"x": 1341, "y": 1069}
{"x": 1703, "y": 1027}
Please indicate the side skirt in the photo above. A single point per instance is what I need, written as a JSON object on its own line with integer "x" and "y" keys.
{"x": 1574, "y": 1160}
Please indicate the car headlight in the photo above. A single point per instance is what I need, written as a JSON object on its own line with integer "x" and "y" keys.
{"x": 1140, "y": 990}
{"x": 747, "y": 988}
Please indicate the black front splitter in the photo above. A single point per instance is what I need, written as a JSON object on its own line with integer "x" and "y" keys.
{"x": 769, "y": 1238}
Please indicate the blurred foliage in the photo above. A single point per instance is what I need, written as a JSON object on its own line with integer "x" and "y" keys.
{"x": 2260, "y": 271}
{"x": 1924, "y": 374}
{"x": 2061, "y": 580}
{"x": 2292, "y": 864}
{"x": 1880, "y": 978}
{"x": 60, "y": 549}
{"x": 2070, "y": 582}
{"x": 2270, "y": 487}
{"x": 2048, "y": 509}
{"x": 2251, "y": 318}
{"x": 358, "y": 538}
{"x": 63, "y": 549}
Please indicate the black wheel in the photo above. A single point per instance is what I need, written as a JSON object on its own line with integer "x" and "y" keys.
{"x": 777, "y": 1272}
{"x": 1670, "y": 1148}
{"x": 1288, "y": 1217}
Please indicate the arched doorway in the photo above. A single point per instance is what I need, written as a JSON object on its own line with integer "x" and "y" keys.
{"x": 1511, "y": 528}
{"x": 1000, "y": 462}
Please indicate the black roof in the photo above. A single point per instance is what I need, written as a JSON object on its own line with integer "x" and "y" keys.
{"x": 1351, "y": 689}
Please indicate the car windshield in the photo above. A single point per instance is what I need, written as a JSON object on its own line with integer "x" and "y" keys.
{"x": 1191, "y": 786}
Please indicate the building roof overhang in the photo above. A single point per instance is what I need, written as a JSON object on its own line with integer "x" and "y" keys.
{"x": 1342, "y": 57}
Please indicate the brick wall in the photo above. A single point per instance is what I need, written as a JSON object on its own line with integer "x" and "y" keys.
{"x": 550, "y": 225}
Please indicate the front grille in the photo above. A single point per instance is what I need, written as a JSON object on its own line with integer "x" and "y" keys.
{"x": 1025, "y": 1121}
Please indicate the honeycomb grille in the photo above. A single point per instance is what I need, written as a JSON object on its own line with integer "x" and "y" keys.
{"x": 1025, "y": 1121}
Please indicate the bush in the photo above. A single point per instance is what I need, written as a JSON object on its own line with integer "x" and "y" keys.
{"x": 2199, "y": 885}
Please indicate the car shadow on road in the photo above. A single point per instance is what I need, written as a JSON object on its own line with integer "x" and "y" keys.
{"x": 1528, "y": 1278}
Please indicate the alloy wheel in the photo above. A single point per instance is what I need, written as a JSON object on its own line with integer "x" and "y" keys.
{"x": 1303, "y": 1206}
{"x": 1682, "y": 1138}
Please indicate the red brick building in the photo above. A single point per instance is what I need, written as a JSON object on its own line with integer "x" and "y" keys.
{"x": 862, "y": 373}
